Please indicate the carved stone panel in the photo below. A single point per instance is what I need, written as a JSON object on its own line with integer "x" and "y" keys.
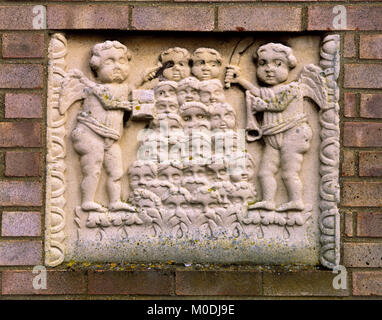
{"x": 160, "y": 148}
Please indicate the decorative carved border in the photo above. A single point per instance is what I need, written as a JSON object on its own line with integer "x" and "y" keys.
{"x": 329, "y": 220}
{"x": 56, "y": 151}
{"x": 329, "y": 155}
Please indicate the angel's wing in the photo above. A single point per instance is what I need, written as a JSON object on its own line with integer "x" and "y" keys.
{"x": 72, "y": 90}
{"x": 313, "y": 84}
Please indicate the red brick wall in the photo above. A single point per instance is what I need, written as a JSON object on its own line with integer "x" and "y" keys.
{"x": 23, "y": 73}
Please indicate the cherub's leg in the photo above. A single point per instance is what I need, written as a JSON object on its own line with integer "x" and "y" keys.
{"x": 269, "y": 166}
{"x": 90, "y": 148}
{"x": 113, "y": 167}
{"x": 296, "y": 143}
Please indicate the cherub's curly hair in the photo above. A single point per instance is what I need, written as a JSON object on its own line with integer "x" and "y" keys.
{"x": 95, "y": 59}
{"x": 142, "y": 163}
{"x": 169, "y": 51}
{"x": 280, "y": 48}
{"x": 213, "y": 52}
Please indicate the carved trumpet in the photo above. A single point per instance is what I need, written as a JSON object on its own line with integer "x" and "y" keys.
{"x": 253, "y": 131}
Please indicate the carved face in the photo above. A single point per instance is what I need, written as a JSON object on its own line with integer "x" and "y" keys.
{"x": 140, "y": 177}
{"x": 171, "y": 174}
{"x": 166, "y": 106}
{"x": 242, "y": 196}
{"x": 241, "y": 171}
{"x": 218, "y": 171}
{"x": 194, "y": 177}
{"x": 195, "y": 118}
{"x": 221, "y": 118}
{"x": 206, "y": 203}
{"x": 178, "y": 67}
{"x": 113, "y": 67}
{"x": 164, "y": 92}
{"x": 212, "y": 94}
{"x": 205, "y": 66}
{"x": 272, "y": 67}
{"x": 177, "y": 204}
{"x": 187, "y": 94}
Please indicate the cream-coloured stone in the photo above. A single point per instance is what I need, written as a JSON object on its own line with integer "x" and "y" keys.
{"x": 172, "y": 165}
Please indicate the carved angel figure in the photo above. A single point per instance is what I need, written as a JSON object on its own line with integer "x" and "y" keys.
{"x": 285, "y": 128}
{"x": 100, "y": 122}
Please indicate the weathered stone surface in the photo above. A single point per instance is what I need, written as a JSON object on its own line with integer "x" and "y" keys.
{"x": 19, "y": 253}
{"x": 22, "y": 164}
{"x": 16, "y": 17}
{"x": 259, "y": 18}
{"x": 20, "y": 193}
{"x": 301, "y": 283}
{"x": 363, "y": 255}
{"x": 371, "y": 106}
{"x": 15, "y": 76}
{"x": 23, "y": 45}
{"x": 215, "y": 283}
{"x": 370, "y": 46}
{"x": 58, "y": 283}
{"x": 23, "y": 105}
{"x": 20, "y": 134}
{"x": 131, "y": 282}
{"x": 350, "y": 107}
{"x": 348, "y": 163}
{"x": 350, "y": 50}
{"x": 348, "y": 224}
{"x": 370, "y": 164}
{"x": 21, "y": 224}
{"x": 362, "y": 134}
{"x": 162, "y": 18}
{"x": 369, "y": 224}
{"x": 362, "y": 194}
{"x": 367, "y": 283}
{"x": 363, "y": 76}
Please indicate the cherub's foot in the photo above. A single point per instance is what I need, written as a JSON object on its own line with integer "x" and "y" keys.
{"x": 92, "y": 206}
{"x": 267, "y": 205}
{"x": 292, "y": 205}
{"x": 120, "y": 206}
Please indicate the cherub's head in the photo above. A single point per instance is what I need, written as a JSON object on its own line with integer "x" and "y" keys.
{"x": 194, "y": 176}
{"x": 242, "y": 168}
{"x": 218, "y": 169}
{"x": 274, "y": 61}
{"x": 165, "y": 90}
{"x": 206, "y": 63}
{"x": 211, "y": 91}
{"x": 223, "y": 116}
{"x": 169, "y": 105}
{"x": 177, "y": 200}
{"x": 110, "y": 61}
{"x": 208, "y": 199}
{"x": 188, "y": 90}
{"x": 170, "y": 171}
{"x": 141, "y": 173}
{"x": 176, "y": 63}
{"x": 195, "y": 116}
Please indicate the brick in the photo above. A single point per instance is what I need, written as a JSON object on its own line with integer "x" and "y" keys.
{"x": 362, "y": 134}
{"x": 22, "y": 164}
{"x": 23, "y": 105}
{"x": 370, "y": 164}
{"x": 19, "y": 253}
{"x": 349, "y": 46}
{"x": 20, "y": 76}
{"x": 20, "y": 193}
{"x": 370, "y": 46}
{"x": 300, "y": 283}
{"x": 363, "y": 255}
{"x": 350, "y": 108}
{"x": 362, "y": 194}
{"x": 363, "y": 76}
{"x": 270, "y": 18}
{"x": 348, "y": 224}
{"x": 16, "y": 17}
{"x": 88, "y": 17}
{"x": 369, "y": 224}
{"x": 58, "y": 282}
{"x": 216, "y": 283}
{"x": 173, "y": 18}
{"x": 23, "y": 45}
{"x": 348, "y": 163}
{"x": 130, "y": 282}
{"x": 359, "y": 17}
{"x": 21, "y": 224}
{"x": 366, "y": 283}
{"x": 20, "y": 134}
{"x": 371, "y": 106}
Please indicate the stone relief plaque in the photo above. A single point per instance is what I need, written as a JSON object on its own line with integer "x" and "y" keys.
{"x": 160, "y": 148}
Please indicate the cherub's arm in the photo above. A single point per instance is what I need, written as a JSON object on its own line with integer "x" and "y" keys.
{"x": 233, "y": 75}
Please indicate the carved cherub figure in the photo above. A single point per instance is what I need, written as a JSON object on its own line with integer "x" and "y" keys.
{"x": 188, "y": 90}
{"x": 206, "y": 64}
{"x": 100, "y": 122}
{"x": 165, "y": 90}
{"x": 141, "y": 174}
{"x": 223, "y": 117}
{"x": 211, "y": 91}
{"x": 195, "y": 117}
{"x": 285, "y": 127}
{"x": 194, "y": 176}
{"x": 166, "y": 106}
